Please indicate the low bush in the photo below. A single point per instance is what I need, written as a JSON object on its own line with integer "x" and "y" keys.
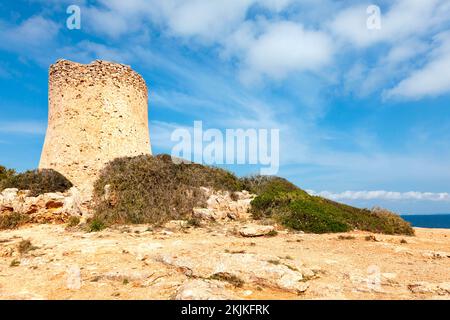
{"x": 5, "y": 174}
{"x": 25, "y": 246}
{"x": 153, "y": 189}
{"x": 12, "y": 220}
{"x": 37, "y": 181}
{"x": 258, "y": 184}
{"x": 294, "y": 208}
{"x": 95, "y": 225}
{"x": 73, "y": 221}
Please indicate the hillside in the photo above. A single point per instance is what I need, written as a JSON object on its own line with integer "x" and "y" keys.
{"x": 154, "y": 190}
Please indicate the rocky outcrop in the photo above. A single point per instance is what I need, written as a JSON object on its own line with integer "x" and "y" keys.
{"x": 248, "y": 269}
{"x": 48, "y": 207}
{"x": 224, "y": 205}
{"x": 256, "y": 230}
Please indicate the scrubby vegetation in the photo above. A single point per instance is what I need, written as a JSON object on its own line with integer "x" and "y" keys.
{"x": 228, "y": 277}
{"x": 25, "y": 246}
{"x": 280, "y": 200}
{"x": 95, "y": 225}
{"x": 37, "y": 181}
{"x": 73, "y": 221}
{"x": 153, "y": 189}
{"x": 12, "y": 220}
{"x": 6, "y": 173}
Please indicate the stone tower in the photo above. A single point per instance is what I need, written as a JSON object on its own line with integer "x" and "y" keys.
{"x": 97, "y": 112}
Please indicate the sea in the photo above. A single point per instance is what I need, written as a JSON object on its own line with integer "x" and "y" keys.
{"x": 429, "y": 220}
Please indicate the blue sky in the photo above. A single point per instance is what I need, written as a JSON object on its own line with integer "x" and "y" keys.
{"x": 364, "y": 115}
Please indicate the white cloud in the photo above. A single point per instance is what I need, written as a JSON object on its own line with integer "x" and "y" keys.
{"x": 277, "y": 50}
{"x": 31, "y": 33}
{"x": 204, "y": 19}
{"x": 403, "y": 19}
{"x": 87, "y": 51}
{"x": 432, "y": 79}
{"x": 285, "y": 47}
{"x": 383, "y": 195}
{"x": 403, "y": 43}
{"x": 32, "y": 39}
{"x": 106, "y": 22}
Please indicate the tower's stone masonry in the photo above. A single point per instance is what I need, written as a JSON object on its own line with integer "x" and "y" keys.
{"x": 97, "y": 112}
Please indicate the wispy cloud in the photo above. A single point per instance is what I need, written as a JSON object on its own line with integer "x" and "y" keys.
{"x": 23, "y": 127}
{"x": 428, "y": 80}
{"x": 32, "y": 38}
{"x": 383, "y": 195}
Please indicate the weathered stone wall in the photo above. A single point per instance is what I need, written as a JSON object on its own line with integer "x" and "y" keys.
{"x": 97, "y": 112}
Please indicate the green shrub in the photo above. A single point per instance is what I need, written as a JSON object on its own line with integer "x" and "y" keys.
{"x": 153, "y": 189}
{"x": 5, "y": 174}
{"x": 96, "y": 225}
{"x": 260, "y": 184}
{"x": 294, "y": 208}
{"x": 12, "y": 220}
{"x": 37, "y": 181}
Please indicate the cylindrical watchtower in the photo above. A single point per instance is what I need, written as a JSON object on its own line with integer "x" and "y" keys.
{"x": 97, "y": 112}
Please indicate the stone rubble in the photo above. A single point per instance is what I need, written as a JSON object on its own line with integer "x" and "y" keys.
{"x": 223, "y": 205}
{"x": 45, "y": 208}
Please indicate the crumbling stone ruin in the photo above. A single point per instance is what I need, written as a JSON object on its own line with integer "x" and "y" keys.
{"x": 97, "y": 112}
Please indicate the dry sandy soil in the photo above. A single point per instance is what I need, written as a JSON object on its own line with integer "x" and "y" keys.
{"x": 138, "y": 262}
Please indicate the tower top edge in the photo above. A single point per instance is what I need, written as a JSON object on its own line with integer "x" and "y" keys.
{"x": 96, "y": 70}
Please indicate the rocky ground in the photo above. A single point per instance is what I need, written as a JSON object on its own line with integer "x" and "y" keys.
{"x": 221, "y": 261}
{"x": 226, "y": 255}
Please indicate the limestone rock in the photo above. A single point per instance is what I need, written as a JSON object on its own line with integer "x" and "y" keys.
{"x": 209, "y": 214}
{"x": 53, "y": 200}
{"x": 10, "y": 194}
{"x": 203, "y": 290}
{"x": 424, "y": 287}
{"x": 48, "y": 207}
{"x": 223, "y": 205}
{"x": 253, "y": 269}
{"x": 73, "y": 202}
{"x": 255, "y": 230}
